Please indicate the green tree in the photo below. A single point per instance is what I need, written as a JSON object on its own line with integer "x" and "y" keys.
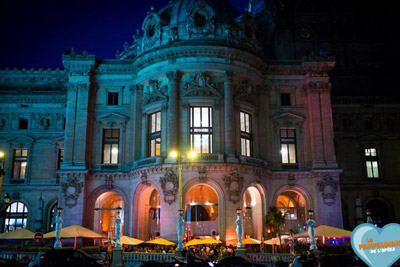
{"x": 274, "y": 221}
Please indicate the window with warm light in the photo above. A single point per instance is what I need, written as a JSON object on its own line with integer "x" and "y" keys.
{"x": 154, "y": 136}
{"x": 245, "y": 134}
{"x": 372, "y": 162}
{"x": 288, "y": 145}
{"x": 16, "y": 217}
{"x": 201, "y": 129}
{"x": 20, "y": 163}
{"x": 110, "y": 146}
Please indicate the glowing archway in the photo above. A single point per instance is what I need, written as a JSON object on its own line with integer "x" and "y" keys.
{"x": 105, "y": 213}
{"x": 292, "y": 204}
{"x": 253, "y": 213}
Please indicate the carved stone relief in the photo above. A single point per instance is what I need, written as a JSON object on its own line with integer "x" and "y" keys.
{"x": 234, "y": 185}
{"x": 200, "y": 85}
{"x": 152, "y": 29}
{"x": 203, "y": 173}
{"x": 109, "y": 180}
{"x": 155, "y": 92}
{"x": 71, "y": 189}
{"x": 200, "y": 20}
{"x": 169, "y": 185}
{"x": 328, "y": 188}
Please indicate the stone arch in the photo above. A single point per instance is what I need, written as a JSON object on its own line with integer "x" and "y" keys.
{"x": 94, "y": 195}
{"x": 389, "y": 210}
{"x": 221, "y": 199}
{"x": 140, "y": 226}
{"x": 296, "y": 188}
{"x": 258, "y": 213}
{"x": 29, "y": 217}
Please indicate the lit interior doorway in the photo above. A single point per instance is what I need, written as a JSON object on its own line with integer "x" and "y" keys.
{"x": 105, "y": 213}
{"x": 149, "y": 208}
{"x": 293, "y": 208}
{"x": 252, "y": 213}
{"x": 201, "y": 212}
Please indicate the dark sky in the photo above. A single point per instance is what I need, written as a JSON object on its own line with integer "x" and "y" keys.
{"x": 35, "y": 33}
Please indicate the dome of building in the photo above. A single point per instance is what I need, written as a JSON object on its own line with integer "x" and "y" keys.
{"x": 177, "y": 11}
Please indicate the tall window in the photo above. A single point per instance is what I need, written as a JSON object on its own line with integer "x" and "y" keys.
{"x": 285, "y": 99}
{"x": 20, "y": 162}
{"x": 288, "y": 146}
{"x": 372, "y": 162}
{"x": 16, "y": 217}
{"x": 245, "y": 134}
{"x": 201, "y": 129}
{"x": 110, "y": 146}
{"x": 112, "y": 99}
{"x": 155, "y": 134}
{"x": 60, "y": 158}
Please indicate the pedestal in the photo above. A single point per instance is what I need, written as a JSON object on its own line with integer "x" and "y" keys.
{"x": 241, "y": 252}
{"x": 117, "y": 258}
{"x": 178, "y": 254}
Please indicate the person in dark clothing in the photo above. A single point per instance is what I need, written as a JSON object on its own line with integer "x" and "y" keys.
{"x": 191, "y": 258}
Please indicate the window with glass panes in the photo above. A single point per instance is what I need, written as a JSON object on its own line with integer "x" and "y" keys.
{"x": 110, "y": 146}
{"x": 372, "y": 162}
{"x": 154, "y": 134}
{"x": 16, "y": 217}
{"x": 288, "y": 146}
{"x": 20, "y": 163}
{"x": 112, "y": 99}
{"x": 245, "y": 134}
{"x": 201, "y": 129}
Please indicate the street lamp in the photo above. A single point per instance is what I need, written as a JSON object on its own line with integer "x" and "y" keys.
{"x": 181, "y": 158}
{"x": 7, "y": 198}
{"x": 311, "y": 224}
{"x": 59, "y": 222}
{"x": 239, "y": 228}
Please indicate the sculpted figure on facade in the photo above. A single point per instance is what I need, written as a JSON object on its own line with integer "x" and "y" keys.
{"x": 201, "y": 85}
{"x": 328, "y": 189}
{"x": 169, "y": 185}
{"x": 155, "y": 92}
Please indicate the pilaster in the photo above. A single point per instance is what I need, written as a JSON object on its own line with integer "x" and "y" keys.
{"x": 229, "y": 121}
{"x": 173, "y": 110}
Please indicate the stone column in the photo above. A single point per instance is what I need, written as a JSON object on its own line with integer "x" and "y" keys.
{"x": 229, "y": 118}
{"x": 173, "y": 111}
{"x": 70, "y": 119}
{"x": 82, "y": 122}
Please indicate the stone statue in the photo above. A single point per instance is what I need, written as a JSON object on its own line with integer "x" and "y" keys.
{"x": 59, "y": 222}
{"x": 311, "y": 224}
{"x": 118, "y": 230}
{"x": 239, "y": 231}
{"x": 179, "y": 232}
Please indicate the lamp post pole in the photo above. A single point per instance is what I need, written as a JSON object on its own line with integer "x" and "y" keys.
{"x": 311, "y": 224}
{"x": 2, "y": 172}
{"x": 59, "y": 221}
{"x": 118, "y": 228}
{"x": 239, "y": 228}
{"x": 180, "y": 218}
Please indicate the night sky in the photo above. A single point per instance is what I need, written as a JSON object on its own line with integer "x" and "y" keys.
{"x": 36, "y": 33}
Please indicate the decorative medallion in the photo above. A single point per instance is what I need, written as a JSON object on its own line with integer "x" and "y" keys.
{"x": 143, "y": 178}
{"x": 155, "y": 92}
{"x": 328, "y": 188}
{"x": 71, "y": 189}
{"x": 234, "y": 185}
{"x": 200, "y": 85}
{"x": 169, "y": 185}
{"x": 200, "y": 20}
{"x": 45, "y": 123}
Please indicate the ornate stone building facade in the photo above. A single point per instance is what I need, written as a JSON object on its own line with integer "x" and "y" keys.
{"x": 97, "y": 134}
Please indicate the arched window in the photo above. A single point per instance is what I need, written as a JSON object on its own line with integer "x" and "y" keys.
{"x": 52, "y": 217}
{"x": 16, "y": 217}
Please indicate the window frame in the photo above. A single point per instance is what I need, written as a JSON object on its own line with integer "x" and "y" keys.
{"x": 286, "y": 100}
{"x": 110, "y": 141}
{"x": 115, "y": 98}
{"x": 9, "y": 215}
{"x": 371, "y": 159}
{"x": 246, "y": 136}
{"x": 19, "y": 159}
{"x": 201, "y": 130}
{"x": 25, "y": 120}
{"x": 154, "y": 135}
{"x": 292, "y": 141}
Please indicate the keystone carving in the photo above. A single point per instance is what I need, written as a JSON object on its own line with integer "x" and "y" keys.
{"x": 328, "y": 188}
{"x": 169, "y": 185}
{"x": 234, "y": 185}
{"x": 200, "y": 85}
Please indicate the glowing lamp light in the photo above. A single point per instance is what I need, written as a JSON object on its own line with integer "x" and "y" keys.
{"x": 173, "y": 154}
{"x": 192, "y": 155}
{"x": 59, "y": 210}
{"x": 114, "y": 151}
{"x": 1, "y": 154}
{"x": 7, "y": 198}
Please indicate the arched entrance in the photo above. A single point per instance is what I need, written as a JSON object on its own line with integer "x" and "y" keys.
{"x": 293, "y": 207}
{"x": 379, "y": 212}
{"x": 253, "y": 215}
{"x": 148, "y": 216}
{"x": 201, "y": 212}
{"x": 105, "y": 213}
